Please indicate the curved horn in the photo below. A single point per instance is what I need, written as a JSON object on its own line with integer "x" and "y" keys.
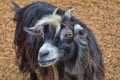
{"x": 68, "y": 13}
{"x": 55, "y": 11}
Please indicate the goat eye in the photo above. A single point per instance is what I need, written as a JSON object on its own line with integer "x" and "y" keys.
{"x": 68, "y": 35}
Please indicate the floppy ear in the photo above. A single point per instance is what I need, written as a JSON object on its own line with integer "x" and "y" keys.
{"x": 80, "y": 34}
{"x": 80, "y": 37}
{"x": 89, "y": 58}
{"x": 82, "y": 49}
{"x": 32, "y": 31}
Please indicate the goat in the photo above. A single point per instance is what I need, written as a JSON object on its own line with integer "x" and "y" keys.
{"x": 52, "y": 40}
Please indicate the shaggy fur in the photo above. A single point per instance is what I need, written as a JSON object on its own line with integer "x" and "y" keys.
{"x": 80, "y": 57}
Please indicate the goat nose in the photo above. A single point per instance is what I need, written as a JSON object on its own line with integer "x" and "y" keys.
{"x": 44, "y": 54}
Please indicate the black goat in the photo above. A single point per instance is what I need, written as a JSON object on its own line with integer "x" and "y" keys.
{"x": 51, "y": 40}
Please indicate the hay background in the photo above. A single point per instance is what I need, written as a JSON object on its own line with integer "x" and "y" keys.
{"x": 101, "y": 16}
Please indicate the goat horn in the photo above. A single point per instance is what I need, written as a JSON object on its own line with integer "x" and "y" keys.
{"x": 68, "y": 13}
{"x": 55, "y": 11}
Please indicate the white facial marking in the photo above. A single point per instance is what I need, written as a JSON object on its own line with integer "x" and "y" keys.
{"x": 53, "y": 54}
{"x": 57, "y": 30}
{"x": 49, "y": 19}
{"x": 53, "y": 19}
{"x": 53, "y": 51}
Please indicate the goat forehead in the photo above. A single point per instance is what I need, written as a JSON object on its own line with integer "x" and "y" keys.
{"x": 49, "y": 32}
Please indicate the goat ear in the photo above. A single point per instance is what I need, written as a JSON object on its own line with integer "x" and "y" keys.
{"x": 79, "y": 30}
{"x": 80, "y": 34}
{"x": 82, "y": 56}
{"x": 15, "y": 7}
{"x": 82, "y": 44}
{"x": 32, "y": 31}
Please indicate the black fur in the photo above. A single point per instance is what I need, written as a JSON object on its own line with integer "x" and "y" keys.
{"x": 81, "y": 58}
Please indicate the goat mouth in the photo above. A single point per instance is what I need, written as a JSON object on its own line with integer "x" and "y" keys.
{"x": 47, "y": 63}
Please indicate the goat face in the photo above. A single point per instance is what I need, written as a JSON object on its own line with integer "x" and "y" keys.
{"x": 55, "y": 47}
{"x": 58, "y": 46}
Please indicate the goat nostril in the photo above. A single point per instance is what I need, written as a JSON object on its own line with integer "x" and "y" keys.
{"x": 44, "y": 54}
